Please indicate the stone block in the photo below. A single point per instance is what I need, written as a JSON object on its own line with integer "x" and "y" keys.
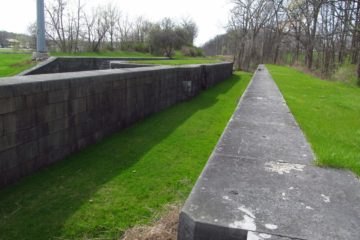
{"x": 121, "y": 83}
{"x": 80, "y": 92}
{"x": 80, "y": 118}
{"x": 6, "y": 91}
{"x": 52, "y": 141}
{"x": 131, "y": 83}
{"x": 27, "y": 88}
{"x": 55, "y": 84}
{"x": 23, "y": 136}
{"x": 78, "y": 105}
{"x": 26, "y": 119}
{"x": 58, "y": 125}
{"x": 52, "y": 112}
{"x": 7, "y": 105}
{"x": 7, "y": 141}
{"x": 8, "y": 159}
{"x": 27, "y": 151}
{"x": 58, "y": 96}
{"x": 10, "y": 176}
{"x": 1, "y": 126}
{"x": 103, "y": 86}
{"x": 9, "y": 123}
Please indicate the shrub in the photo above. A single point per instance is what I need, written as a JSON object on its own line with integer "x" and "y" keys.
{"x": 192, "y": 51}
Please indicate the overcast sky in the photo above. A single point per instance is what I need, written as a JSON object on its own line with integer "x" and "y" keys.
{"x": 210, "y": 15}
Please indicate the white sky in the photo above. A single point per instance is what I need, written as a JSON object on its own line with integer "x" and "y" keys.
{"x": 210, "y": 15}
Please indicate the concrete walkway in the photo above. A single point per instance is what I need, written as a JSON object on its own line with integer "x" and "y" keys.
{"x": 261, "y": 182}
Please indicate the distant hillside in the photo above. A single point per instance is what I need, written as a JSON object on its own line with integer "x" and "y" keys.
{"x": 7, "y": 39}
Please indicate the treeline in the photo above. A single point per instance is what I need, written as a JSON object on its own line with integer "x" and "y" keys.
{"x": 71, "y": 27}
{"x": 5, "y": 36}
{"x": 320, "y": 34}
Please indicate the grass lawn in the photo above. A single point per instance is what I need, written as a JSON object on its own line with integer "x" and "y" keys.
{"x": 127, "y": 178}
{"x": 182, "y": 61}
{"x": 13, "y": 63}
{"x": 328, "y": 113}
{"x": 103, "y": 54}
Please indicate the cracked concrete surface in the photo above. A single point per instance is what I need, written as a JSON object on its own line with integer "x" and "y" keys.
{"x": 260, "y": 182}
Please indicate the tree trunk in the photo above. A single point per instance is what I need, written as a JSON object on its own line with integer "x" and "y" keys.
{"x": 276, "y": 53}
{"x": 358, "y": 72}
{"x": 309, "y": 56}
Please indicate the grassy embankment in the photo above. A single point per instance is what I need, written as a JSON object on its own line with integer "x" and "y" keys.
{"x": 328, "y": 112}
{"x": 124, "y": 180}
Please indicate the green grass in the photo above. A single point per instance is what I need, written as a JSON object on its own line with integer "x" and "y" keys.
{"x": 183, "y": 61}
{"x": 14, "y": 63}
{"x": 124, "y": 180}
{"x": 103, "y": 54}
{"x": 12, "y": 50}
{"x": 328, "y": 113}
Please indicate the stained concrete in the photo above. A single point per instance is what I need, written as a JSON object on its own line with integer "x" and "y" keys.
{"x": 261, "y": 183}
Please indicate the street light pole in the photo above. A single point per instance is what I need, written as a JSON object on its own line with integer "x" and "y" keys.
{"x": 41, "y": 52}
{"x": 40, "y": 44}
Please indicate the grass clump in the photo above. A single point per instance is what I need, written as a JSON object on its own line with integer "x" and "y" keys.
{"x": 346, "y": 74}
{"x": 14, "y": 63}
{"x": 127, "y": 178}
{"x": 328, "y": 112}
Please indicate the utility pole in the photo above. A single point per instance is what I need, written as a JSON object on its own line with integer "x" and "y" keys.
{"x": 41, "y": 52}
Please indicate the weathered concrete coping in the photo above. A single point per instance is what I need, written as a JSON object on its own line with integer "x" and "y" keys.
{"x": 126, "y": 64}
{"x": 260, "y": 181}
{"x": 37, "y": 83}
{"x": 74, "y": 64}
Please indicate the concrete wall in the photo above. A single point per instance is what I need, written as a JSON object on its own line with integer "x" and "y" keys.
{"x": 44, "y": 118}
{"x": 76, "y": 64}
{"x": 122, "y": 64}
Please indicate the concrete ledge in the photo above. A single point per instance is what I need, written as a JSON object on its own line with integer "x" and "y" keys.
{"x": 124, "y": 64}
{"x": 76, "y": 64}
{"x": 260, "y": 183}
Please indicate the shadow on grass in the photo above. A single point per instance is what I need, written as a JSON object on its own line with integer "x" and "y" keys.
{"x": 40, "y": 206}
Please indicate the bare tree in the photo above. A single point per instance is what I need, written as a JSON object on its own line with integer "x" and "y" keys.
{"x": 113, "y": 15}
{"x": 97, "y": 25}
{"x": 321, "y": 34}
{"x": 63, "y": 25}
{"x": 125, "y": 27}
{"x": 249, "y": 18}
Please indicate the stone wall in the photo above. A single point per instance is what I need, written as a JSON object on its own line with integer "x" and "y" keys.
{"x": 44, "y": 118}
